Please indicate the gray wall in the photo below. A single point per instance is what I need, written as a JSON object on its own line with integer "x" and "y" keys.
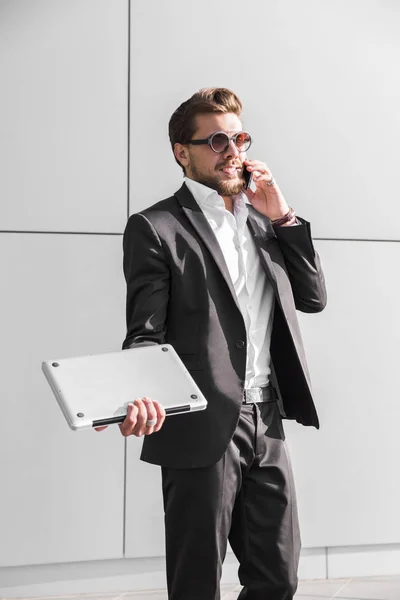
{"x": 63, "y": 157}
{"x": 320, "y": 86}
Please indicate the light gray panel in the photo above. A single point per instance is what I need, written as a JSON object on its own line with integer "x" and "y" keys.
{"x": 61, "y": 491}
{"x": 364, "y": 561}
{"x": 63, "y": 115}
{"x": 95, "y": 578}
{"x": 347, "y": 475}
{"x": 320, "y": 85}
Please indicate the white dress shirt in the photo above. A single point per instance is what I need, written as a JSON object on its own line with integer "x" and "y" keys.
{"x": 253, "y": 290}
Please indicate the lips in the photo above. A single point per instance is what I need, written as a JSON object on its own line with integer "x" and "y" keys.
{"x": 231, "y": 169}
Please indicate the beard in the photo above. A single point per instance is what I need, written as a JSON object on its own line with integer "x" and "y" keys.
{"x": 224, "y": 187}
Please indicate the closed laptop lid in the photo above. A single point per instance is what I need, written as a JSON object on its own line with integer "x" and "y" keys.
{"x": 95, "y": 390}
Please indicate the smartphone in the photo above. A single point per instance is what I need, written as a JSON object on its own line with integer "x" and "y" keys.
{"x": 248, "y": 177}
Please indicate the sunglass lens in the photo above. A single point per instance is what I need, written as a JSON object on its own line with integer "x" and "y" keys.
{"x": 243, "y": 141}
{"x": 219, "y": 142}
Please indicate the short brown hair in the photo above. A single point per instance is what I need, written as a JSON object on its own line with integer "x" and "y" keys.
{"x": 182, "y": 124}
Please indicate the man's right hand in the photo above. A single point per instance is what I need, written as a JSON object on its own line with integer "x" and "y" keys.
{"x": 141, "y": 414}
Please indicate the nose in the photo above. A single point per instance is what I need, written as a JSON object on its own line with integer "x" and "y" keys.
{"x": 231, "y": 151}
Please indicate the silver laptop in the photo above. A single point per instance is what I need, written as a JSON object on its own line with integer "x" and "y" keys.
{"x": 95, "y": 390}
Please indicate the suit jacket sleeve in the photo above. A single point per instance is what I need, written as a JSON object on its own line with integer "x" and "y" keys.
{"x": 148, "y": 282}
{"x": 303, "y": 266}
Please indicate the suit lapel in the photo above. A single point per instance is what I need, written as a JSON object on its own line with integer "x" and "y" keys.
{"x": 201, "y": 225}
{"x": 260, "y": 229}
{"x": 264, "y": 239}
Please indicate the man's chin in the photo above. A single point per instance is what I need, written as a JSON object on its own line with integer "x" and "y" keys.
{"x": 224, "y": 187}
{"x": 230, "y": 188}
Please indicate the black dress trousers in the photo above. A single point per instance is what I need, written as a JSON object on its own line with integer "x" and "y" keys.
{"x": 247, "y": 497}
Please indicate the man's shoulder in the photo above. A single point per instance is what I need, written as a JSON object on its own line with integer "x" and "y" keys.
{"x": 160, "y": 210}
{"x": 161, "y": 207}
{"x": 164, "y": 217}
{"x": 167, "y": 211}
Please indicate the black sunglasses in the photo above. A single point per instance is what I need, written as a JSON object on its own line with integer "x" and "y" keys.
{"x": 219, "y": 141}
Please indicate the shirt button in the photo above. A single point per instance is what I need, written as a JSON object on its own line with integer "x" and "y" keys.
{"x": 239, "y": 344}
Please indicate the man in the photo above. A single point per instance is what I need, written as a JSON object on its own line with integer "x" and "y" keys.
{"x": 218, "y": 272}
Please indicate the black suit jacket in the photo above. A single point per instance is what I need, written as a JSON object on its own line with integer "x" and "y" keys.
{"x": 179, "y": 291}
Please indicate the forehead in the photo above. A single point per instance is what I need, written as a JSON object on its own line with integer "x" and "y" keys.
{"x": 209, "y": 123}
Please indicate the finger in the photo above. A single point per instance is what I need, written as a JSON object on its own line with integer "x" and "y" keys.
{"x": 259, "y": 169}
{"x": 130, "y": 420}
{"x": 101, "y": 428}
{"x": 140, "y": 427}
{"x": 263, "y": 178}
{"x": 160, "y": 415}
{"x": 151, "y": 415}
{"x": 256, "y": 164}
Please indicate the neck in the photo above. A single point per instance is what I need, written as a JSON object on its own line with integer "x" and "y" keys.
{"x": 228, "y": 203}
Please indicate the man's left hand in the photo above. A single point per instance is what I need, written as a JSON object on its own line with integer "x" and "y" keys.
{"x": 267, "y": 199}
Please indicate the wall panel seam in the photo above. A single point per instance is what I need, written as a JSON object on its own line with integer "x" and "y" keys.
{"x": 330, "y": 239}
{"x": 316, "y": 239}
{"x": 326, "y": 564}
{"x": 63, "y": 232}
{"x": 129, "y": 110}
{"x": 128, "y": 167}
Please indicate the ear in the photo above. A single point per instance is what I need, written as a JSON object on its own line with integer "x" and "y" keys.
{"x": 182, "y": 154}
